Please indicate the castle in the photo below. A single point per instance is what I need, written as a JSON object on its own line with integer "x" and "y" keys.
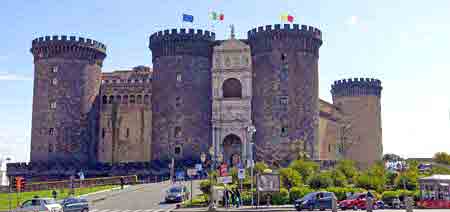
{"x": 201, "y": 96}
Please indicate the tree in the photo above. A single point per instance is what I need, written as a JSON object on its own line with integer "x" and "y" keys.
{"x": 339, "y": 179}
{"x": 321, "y": 180}
{"x": 348, "y": 168}
{"x": 442, "y": 157}
{"x": 305, "y": 168}
{"x": 290, "y": 178}
{"x": 260, "y": 167}
{"x": 392, "y": 158}
{"x": 373, "y": 178}
{"x": 407, "y": 179}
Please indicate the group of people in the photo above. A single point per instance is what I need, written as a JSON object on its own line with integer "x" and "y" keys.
{"x": 231, "y": 198}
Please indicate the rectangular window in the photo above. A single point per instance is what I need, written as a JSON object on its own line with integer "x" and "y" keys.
{"x": 178, "y": 77}
{"x": 103, "y": 132}
{"x": 51, "y": 131}
{"x": 329, "y": 147}
{"x": 177, "y": 150}
{"x": 53, "y": 105}
{"x": 55, "y": 69}
{"x": 128, "y": 133}
{"x": 284, "y": 131}
{"x": 177, "y": 132}
{"x": 284, "y": 100}
{"x": 54, "y": 81}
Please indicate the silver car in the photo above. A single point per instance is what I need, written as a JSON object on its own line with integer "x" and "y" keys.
{"x": 40, "y": 204}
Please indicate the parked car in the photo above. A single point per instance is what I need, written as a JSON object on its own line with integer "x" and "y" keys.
{"x": 40, "y": 204}
{"x": 177, "y": 193}
{"x": 359, "y": 201}
{"x": 75, "y": 205}
{"x": 316, "y": 200}
{"x": 393, "y": 202}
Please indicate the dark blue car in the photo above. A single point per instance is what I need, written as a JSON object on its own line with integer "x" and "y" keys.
{"x": 316, "y": 200}
{"x": 75, "y": 205}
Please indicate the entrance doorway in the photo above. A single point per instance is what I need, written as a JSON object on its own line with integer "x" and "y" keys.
{"x": 232, "y": 148}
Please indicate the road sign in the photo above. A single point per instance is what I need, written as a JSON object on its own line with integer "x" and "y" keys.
{"x": 192, "y": 172}
{"x": 268, "y": 183}
{"x": 180, "y": 175}
{"x": 225, "y": 180}
{"x": 241, "y": 173}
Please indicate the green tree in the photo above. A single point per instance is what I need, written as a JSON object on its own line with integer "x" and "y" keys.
{"x": 260, "y": 167}
{"x": 290, "y": 178}
{"x": 373, "y": 178}
{"x": 390, "y": 178}
{"x": 392, "y": 157}
{"x": 408, "y": 179}
{"x": 321, "y": 180}
{"x": 348, "y": 168}
{"x": 442, "y": 157}
{"x": 305, "y": 168}
{"x": 339, "y": 178}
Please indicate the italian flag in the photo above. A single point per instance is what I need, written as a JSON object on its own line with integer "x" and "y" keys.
{"x": 216, "y": 16}
{"x": 287, "y": 18}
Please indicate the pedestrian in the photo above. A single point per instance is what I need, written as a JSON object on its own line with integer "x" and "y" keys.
{"x": 238, "y": 197}
{"x": 233, "y": 198}
{"x": 122, "y": 182}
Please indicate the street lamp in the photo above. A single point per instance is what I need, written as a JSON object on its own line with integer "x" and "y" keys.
{"x": 251, "y": 130}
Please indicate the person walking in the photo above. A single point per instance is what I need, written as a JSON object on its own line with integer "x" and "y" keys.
{"x": 233, "y": 198}
{"x": 238, "y": 197}
{"x": 122, "y": 182}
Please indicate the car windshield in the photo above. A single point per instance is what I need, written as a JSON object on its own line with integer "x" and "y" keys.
{"x": 355, "y": 196}
{"x": 49, "y": 201}
{"x": 175, "y": 190}
{"x": 309, "y": 196}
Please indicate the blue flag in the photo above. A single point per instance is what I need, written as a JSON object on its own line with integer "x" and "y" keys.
{"x": 188, "y": 18}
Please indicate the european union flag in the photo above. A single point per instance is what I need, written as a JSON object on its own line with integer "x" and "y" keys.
{"x": 188, "y": 18}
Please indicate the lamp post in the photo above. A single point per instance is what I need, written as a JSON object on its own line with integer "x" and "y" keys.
{"x": 250, "y": 130}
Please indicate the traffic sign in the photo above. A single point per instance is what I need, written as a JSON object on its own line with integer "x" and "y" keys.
{"x": 241, "y": 174}
{"x": 198, "y": 166}
{"x": 192, "y": 172}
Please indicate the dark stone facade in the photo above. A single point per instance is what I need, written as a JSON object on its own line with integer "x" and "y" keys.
{"x": 285, "y": 89}
{"x": 65, "y": 102}
{"x": 181, "y": 99}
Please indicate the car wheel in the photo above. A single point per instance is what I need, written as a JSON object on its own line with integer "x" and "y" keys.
{"x": 85, "y": 210}
{"x": 375, "y": 207}
{"x": 311, "y": 207}
{"x": 355, "y": 207}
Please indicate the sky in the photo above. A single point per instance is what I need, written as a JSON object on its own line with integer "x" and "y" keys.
{"x": 404, "y": 43}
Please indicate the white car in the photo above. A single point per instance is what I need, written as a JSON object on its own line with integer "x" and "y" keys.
{"x": 41, "y": 205}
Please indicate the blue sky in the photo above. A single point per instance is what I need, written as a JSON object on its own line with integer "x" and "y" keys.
{"x": 404, "y": 43}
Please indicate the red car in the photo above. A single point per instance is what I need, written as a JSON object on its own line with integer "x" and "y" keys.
{"x": 355, "y": 202}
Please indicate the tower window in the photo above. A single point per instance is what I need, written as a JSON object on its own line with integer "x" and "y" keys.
{"x": 132, "y": 99}
{"x": 125, "y": 99}
{"x": 51, "y": 131}
{"x": 53, "y": 105}
{"x": 50, "y": 148}
{"x": 284, "y": 100}
{"x": 54, "y": 81}
{"x": 103, "y": 132}
{"x": 232, "y": 88}
{"x": 119, "y": 99}
{"x": 146, "y": 99}
{"x": 111, "y": 99}
{"x": 127, "y": 133}
{"x": 329, "y": 147}
{"x": 177, "y": 132}
{"x": 139, "y": 99}
{"x": 283, "y": 57}
{"x": 177, "y": 150}
{"x": 178, "y": 101}
{"x": 178, "y": 77}
{"x": 105, "y": 100}
{"x": 55, "y": 69}
{"x": 284, "y": 131}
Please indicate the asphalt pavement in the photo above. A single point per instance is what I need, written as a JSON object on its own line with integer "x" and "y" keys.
{"x": 136, "y": 198}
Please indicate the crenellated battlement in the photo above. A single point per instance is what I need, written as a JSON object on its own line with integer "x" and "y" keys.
{"x": 181, "y": 42}
{"x": 356, "y": 87}
{"x": 67, "y": 46}
{"x": 302, "y": 37}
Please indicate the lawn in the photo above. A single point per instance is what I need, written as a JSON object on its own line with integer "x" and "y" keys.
{"x": 62, "y": 193}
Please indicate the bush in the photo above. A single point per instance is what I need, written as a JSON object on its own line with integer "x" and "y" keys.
{"x": 305, "y": 168}
{"x": 341, "y": 192}
{"x": 321, "y": 180}
{"x": 348, "y": 168}
{"x": 280, "y": 198}
{"x": 205, "y": 186}
{"x": 339, "y": 179}
{"x": 290, "y": 178}
{"x": 298, "y": 192}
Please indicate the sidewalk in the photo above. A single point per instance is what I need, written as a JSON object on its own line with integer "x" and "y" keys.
{"x": 241, "y": 209}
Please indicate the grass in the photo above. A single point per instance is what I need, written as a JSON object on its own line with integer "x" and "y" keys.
{"x": 200, "y": 200}
{"x": 62, "y": 193}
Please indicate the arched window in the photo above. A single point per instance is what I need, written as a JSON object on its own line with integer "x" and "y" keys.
{"x": 119, "y": 99}
{"x": 105, "y": 100}
{"x": 111, "y": 99}
{"x": 132, "y": 99}
{"x": 177, "y": 132}
{"x": 232, "y": 88}
{"x": 139, "y": 99}
{"x": 125, "y": 99}
{"x": 146, "y": 99}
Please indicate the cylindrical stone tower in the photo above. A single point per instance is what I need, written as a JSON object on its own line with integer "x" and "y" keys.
{"x": 285, "y": 90}
{"x": 65, "y": 102}
{"x": 359, "y": 101}
{"x": 181, "y": 99}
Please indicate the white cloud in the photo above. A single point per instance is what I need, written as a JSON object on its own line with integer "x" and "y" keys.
{"x": 353, "y": 20}
{"x": 4, "y": 76}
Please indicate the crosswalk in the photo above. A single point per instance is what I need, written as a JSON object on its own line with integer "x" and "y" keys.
{"x": 138, "y": 210}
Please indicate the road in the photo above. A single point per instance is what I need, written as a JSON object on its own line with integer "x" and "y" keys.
{"x": 138, "y": 198}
